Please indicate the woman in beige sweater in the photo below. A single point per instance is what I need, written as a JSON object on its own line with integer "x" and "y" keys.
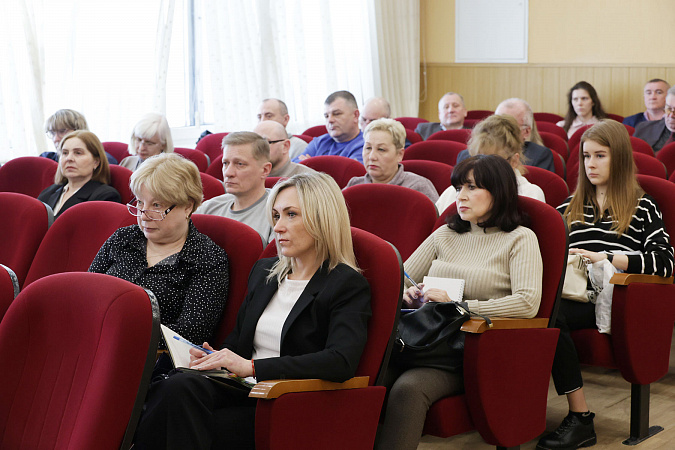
{"x": 485, "y": 244}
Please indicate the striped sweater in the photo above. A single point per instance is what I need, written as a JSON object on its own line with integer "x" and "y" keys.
{"x": 646, "y": 234}
{"x": 502, "y": 271}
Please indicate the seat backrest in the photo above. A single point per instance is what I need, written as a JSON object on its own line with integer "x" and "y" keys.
{"x": 382, "y": 267}
{"x": 216, "y": 168}
{"x": 88, "y": 343}
{"x": 211, "y": 186}
{"x": 119, "y": 179}
{"x": 304, "y": 137}
{"x": 667, "y": 156}
{"x": 552, "y": 128}
{"x": 478, "y": 114}
{"x": 555, "y": 189}
{"x": 9, "y": 289}
{"x": 630, "y": 129}
{"x": 411, "y": 122}
{"x": 243, "y": 247}
{"x": 28, "y": 175}
{"x": 555, "y": 143}
{"x": 640, "y": 146}
{"x": 440, "y": 151}
{"x": 212, "y": 145}
{"x": 574, "y": 140}
{"x": 649, "y": 165}
{"x": 663, "y": 192}
{"x": 119, "y": 150}
{"x": 617, "y": 117}
{"x": 341, "y": 168}
{"x": 196, "y": 156}
{"x": 316, "y": 131}
{"x": 396, "y": 214}
{"x": 461, "y": 135}
{"x": 24, "y": 224}
{"x": 412, "y": 137}
{"x": 547, "y": 117}
{"x": 73, "y": 241}
{"x": 271, "y": 181}
{"x": 438, "y": 173}
{"x": 551, "y": 231}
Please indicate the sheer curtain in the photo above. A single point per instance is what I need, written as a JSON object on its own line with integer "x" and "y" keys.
{"x": 115, "y": 61}
{"x": 301, "y": 51}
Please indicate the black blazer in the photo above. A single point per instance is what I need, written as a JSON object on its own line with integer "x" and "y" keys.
{"x": 325, "y": 332}
{"x": 92, "y": 190}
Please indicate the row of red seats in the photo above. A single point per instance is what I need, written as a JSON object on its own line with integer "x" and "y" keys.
{"x": 479, "y": 403}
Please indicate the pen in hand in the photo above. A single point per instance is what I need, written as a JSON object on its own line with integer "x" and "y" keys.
{"x": 185, "y": 341}
{"x": 417, "y": 286}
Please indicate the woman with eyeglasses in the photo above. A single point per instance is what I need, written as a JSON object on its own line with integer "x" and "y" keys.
{"x": 151, "y": 136}
{"x": 164, "y": 252}
{"x": 82, "y": 174}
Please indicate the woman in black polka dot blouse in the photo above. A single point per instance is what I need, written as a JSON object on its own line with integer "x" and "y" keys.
{"x": 164, "y": 252}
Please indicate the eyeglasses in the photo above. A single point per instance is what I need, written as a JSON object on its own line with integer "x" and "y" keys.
{"x": 151, "y": 214}
{"x": 61, "y": 132}
{"x": 276, "y": 142}
{"x": 146, "y": 142}
{"x": 669, "y": 110}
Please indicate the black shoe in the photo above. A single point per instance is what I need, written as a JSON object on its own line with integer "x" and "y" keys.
{"x": 570, "y": 435}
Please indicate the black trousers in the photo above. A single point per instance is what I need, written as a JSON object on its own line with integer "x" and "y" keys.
{"x": 188, "y": 411}
{"x": 566, "y": 367}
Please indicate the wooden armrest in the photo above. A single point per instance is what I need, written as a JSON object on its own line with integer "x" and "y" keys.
{"x": 159, "y": 352}
{"x": 625, "y": 279}
{"x": 474, "y": 325}
{"x": 276, "y": 388}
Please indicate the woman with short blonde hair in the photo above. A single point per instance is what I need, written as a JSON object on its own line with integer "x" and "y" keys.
{"x": 383, "y": 147}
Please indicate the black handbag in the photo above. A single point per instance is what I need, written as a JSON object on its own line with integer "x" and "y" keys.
{"x": 431, "y": 337}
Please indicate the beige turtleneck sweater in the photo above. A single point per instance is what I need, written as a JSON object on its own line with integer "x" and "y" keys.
{"x": 503, "y": 271}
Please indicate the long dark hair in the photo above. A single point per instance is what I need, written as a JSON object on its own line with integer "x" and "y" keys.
{"x": 597, "y": 110}
{"x": 495, "y": 174}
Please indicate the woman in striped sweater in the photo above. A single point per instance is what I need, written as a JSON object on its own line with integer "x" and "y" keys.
{"x": 485, "y": 244}
{"x": 609, "y": 212}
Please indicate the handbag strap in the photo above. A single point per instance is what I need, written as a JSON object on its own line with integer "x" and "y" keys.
{"x": 464, "y": 310}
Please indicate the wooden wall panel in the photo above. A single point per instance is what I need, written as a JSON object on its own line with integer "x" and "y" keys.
{"x": 543, "y": 86}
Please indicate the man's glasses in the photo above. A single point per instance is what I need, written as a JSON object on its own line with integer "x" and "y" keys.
{"x": 276, "y": 142}
{"x": 151, "y": 214}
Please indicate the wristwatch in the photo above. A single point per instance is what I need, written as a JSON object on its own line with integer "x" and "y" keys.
{"x": 610, "y": 257}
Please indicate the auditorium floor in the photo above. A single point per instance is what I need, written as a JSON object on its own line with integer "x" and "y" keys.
{"x": 608, "y": 395}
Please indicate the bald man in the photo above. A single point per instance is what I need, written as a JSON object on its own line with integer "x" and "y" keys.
{"x": 276, "y": 110}
{"x": 373, "y": 109}
{"x": 451, "y": 114}
{"x": 280, "y": 144}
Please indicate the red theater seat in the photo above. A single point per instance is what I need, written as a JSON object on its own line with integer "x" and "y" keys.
{"x": 440, "y": 151}
{"x": 343, "y": 418}
{"x": 196, "y": 156}
{"x": 212, "y": 145}
{"x": 438, "y": 173}
{"x": 88, "y": 345}
{"x": 211, "y": 186}
{"x": 462, "y": 136}
{"x": 342, "y": 169}
{"x": 28, "y": 175}
{"x": 316, "y": 131}
{"x": 22, "y": 228}
{"x": 506, "y": 388}
{"x": 119, "y": 179}
{"x": 554, "y": 187}
{"x": 397, "y": 214}
{"x": 411, "y": 122}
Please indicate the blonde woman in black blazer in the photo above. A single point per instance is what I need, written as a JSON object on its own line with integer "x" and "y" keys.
{"x": 305, "y": 316}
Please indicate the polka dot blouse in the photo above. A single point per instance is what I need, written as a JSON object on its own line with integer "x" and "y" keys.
{"x": 190, "y": 286}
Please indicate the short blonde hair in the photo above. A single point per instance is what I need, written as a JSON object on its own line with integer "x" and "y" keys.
{"x": 93, "y": 146}
{"x": 497, "y": 135}
{"x": 260, "y": 148}
{"x": 170, "y": 178}
{"x": 326, "y": 219}
{"x": 150, "y": 125}
{"x": 391, "y": 126}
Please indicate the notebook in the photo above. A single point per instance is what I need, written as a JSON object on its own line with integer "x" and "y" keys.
{"x": 180, "y": 355}
{"x": 453, "y": 286}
